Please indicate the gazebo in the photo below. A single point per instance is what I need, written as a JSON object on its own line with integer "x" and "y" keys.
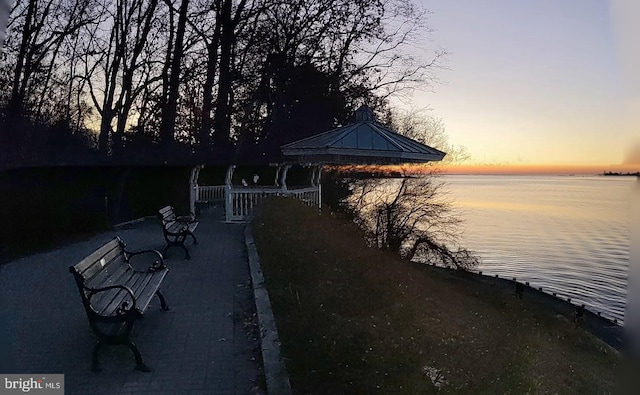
{"x": 365, "y": 141}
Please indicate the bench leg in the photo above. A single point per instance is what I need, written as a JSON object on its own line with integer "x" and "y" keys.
{"x": 139, "y": 362}
{"x": 178, "y": 242}
{"x": 194, "y": 238}
{"x": 163, "y": 302}
{"x": 95, "y": 363}
{"x": 186, "y": 252}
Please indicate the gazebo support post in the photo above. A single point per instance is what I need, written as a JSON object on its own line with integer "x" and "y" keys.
{"x": 317, "y": 179}
{"x": 228, "y": 205}
{"x": 193, "y": 188}
{"x": 283, "y": 179}
{"x": 276, "y": 183}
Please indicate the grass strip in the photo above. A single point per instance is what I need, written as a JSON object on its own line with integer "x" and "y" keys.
{"x": 353, "y": 319}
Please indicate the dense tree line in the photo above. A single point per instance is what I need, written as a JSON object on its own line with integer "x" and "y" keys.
{"x": 221, "y": 80}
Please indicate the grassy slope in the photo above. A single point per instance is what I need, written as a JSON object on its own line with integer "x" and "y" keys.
{"x": 353, "y": 319}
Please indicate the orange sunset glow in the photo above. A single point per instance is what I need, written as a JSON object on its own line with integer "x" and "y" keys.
{"x": 537, "y": 169}
{"x": 494, "y": 169}
{"x": 523, "y": 99}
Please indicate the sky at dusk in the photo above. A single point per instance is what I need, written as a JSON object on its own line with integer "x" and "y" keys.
{"x": 536, "y": 82}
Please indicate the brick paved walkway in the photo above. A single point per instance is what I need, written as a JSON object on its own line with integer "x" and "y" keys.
{"x": 206, "y": 344}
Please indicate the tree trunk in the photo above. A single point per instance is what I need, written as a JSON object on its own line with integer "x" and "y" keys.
{"x": 207, "y": 95}
{"x": 16, "y": 100}
{"x": 127, "y": 94}
{"x": 222, "y": 120}
{"x": 168, "y": 124}
{"x": 111, "y": 79}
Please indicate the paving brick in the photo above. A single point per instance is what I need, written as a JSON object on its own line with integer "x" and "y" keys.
{"x": 208, "y": 296}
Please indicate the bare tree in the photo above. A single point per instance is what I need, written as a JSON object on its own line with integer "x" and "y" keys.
{"x": 113, "y": 63}
{"x": 412, "y": 217}
{"x": 380, "y": 46}
{"x": 40, "y": 27}
{"x": 228, "y": 20}
{"x": 171, "y": 78}
{"x": 349, "y": 52}
{"x": 211, "y": 39}
{"x": 4, "y": 16}
{"x": 423, "y": 126}
{"x": 208, "y": 72}
{"x": 143, "y": 16}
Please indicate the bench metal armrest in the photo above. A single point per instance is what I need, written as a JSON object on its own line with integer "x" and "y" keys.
{"x": 158, "y": 263}
{"x": 184, "y": 228}
{"x": 124, "y": 308}
{"x": 187, "y": 218}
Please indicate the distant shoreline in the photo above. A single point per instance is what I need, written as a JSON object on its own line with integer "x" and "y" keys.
{"x": 613, "y": 173}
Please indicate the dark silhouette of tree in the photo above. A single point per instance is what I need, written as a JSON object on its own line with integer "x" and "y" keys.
{"x": 222, "y": 120}
{"x": 143, "y": 20}
{"x": 211, "y": 44}
{"x": 4, "y": 16}
{"x": 40, "y": 29}
{"x": 411, "y": 217}
{"x": 106, "y": 59}
{"x": 303, "y": 105}
{"x": 344, "y": 51}
{"x": 423, "y": 126}
{"x": 220, "y": 78}
{"x": 172, "y": 80}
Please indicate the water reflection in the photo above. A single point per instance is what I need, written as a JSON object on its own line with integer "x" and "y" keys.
{"x": 569, "y": 235}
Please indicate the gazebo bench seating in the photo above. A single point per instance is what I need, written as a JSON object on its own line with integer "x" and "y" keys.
{"x": 177, "y": 229}
{"x": 115, "y": 294}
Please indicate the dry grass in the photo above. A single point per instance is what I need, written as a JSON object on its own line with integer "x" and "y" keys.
{"x": 355, "y": 320}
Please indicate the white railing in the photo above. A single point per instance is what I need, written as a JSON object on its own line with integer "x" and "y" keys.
{"x": 210, "y": 193}
{"x": 310, "y": 196}
{"x": 241, "y": 202}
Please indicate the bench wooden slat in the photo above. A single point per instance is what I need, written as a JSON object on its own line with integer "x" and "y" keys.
{"x": 109, "y": 306}
{"x": 113, "y": 262}
{"x": 116, "y": 275}
{"x": 168, "y": 214}
{"x": 143, "y": 286}
{"x": 102, "y": 300}
{"x": 145, "y": 294}
{"x": 111, "y": 275}
{"x": 175, "y": 227}
{"x": 92, "y": 262}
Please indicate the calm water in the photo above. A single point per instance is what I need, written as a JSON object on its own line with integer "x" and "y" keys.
{"x": 568, "y": 235}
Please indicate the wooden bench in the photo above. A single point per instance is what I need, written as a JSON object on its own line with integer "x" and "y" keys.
{"x": 177, "y": 229}
{"x": 115, "y": 294}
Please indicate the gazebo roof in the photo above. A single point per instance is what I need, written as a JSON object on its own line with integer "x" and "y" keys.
{"x": 363, "y": 142}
